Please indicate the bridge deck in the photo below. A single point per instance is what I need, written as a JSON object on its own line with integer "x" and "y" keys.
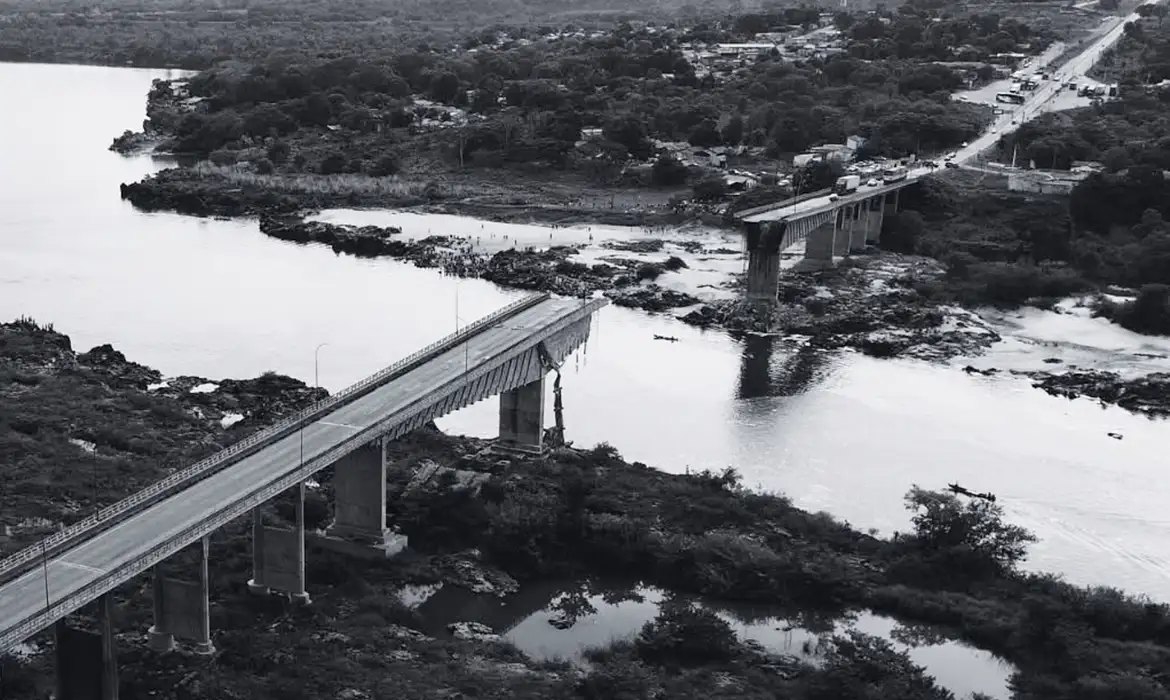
{"x": 83, "y": 564}
{"x": 810, "y": 207}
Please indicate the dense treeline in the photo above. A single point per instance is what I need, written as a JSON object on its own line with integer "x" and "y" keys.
{"x": 530, "y": 102}
{"x": 926, "y": 35}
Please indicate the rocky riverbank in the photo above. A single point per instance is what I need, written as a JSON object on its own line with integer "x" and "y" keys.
{"x": 86, "y": 427}
{"x": 489, "y": 523}
{"x": 205, "y": 189}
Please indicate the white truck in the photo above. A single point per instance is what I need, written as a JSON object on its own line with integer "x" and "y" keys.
{"x": 847, "y": 184}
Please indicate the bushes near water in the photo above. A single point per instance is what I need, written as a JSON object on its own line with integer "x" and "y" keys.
{"x": 1149, "y": 313}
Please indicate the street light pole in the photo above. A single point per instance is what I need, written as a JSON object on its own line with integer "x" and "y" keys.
{"x": 316, "y": 366}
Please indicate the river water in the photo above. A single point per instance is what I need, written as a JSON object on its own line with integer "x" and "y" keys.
{"x": 840, "y": 432}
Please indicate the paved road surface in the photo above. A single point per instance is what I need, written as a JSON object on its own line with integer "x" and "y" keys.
{"x": 1073, "y": 69}
{"x": 76, "y": 568}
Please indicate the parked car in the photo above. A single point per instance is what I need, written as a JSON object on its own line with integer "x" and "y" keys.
{"x": 872, "y": 182}
{"x": 951, "y": 164}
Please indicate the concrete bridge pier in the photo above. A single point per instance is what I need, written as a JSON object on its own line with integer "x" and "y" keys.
{"x": 860, "y": 228}
{"x": 818, "y": 247}
{"x": 763, "y": 248}
{"x": 844, "y": 220}
{"x": 87, "y": 662}
{"x": 359, "y": 506}
{"x": 182, "y": 609}
{"x": 877, "y": 214}
{"x": 522, "y": 418}
{"x": 278, "y": 555}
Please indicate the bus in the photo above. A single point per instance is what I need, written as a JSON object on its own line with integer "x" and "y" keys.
{"x": 1010, "y": 97}
{"x": 893, "y": 175}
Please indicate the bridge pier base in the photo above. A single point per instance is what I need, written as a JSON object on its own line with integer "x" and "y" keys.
{"x": 182, "y": 609}
{"x": 359, "y": 506}
{"x": 522, "y": 418}
{"x": 278, "y": 555}
{"x": 87, "y": 662}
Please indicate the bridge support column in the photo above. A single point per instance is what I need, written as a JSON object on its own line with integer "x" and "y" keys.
{"x": 877, "y": 215}
{"x": 278, "y": 555}
{"x": 182, "y": 609}
{"x": 763, "y": 246}
{"x": 359, "y": 506}
{"x": 87, "y": 662}
{"x": 857, "y": 234}
{"x": 522, "y": 417}
{"x": 841, "y": 235}
{"x": 818, "y": 247}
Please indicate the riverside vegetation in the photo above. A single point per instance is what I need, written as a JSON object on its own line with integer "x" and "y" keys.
{"x": 578, "y": 513}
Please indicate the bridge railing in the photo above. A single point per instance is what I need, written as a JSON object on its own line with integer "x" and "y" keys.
{"x": 160, "y": 489}
{"x": 409, "y": 416}
{"x": 764, "y": 208}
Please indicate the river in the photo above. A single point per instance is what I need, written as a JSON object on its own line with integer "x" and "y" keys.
{"x": 839, "y": 432}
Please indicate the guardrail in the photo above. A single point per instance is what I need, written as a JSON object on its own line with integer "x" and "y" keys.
{"x": 255, "y": 441}
{"x": 111, "y": 579}
{"x": 764, "y": 208}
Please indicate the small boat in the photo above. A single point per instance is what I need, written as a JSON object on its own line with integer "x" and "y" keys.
{"x": 668, "y": 338}
{"x": 955, "y": 488}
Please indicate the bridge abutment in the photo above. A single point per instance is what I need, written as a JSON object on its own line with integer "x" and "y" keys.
{"x": 87, "y": 662}
{"x": 522, "y": 417}
{"x": 182, "y": 609}
{"x": 763, "y": 246}
{"x": 278, "y": 554}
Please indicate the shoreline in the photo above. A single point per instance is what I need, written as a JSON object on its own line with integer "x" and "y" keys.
{"x": 580, "y": 513}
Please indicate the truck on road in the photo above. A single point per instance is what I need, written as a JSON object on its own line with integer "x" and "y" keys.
{"x": 847, "y": 184}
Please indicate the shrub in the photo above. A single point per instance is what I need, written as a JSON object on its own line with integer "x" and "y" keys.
{"x": 686, "y": 634}
{"x": 961, "y": 539}
{"x": 650, "y": 271}
{"x": 674, "y": 263}
{"x": 385, "y": 166}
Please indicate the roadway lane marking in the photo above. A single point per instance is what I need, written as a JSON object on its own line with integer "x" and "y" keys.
{"x": 339, "y": 425}
{"x": 81, "y": 567}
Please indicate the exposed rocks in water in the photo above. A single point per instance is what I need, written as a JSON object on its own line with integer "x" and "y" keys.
{"x": 550, "y": 270}
{"x": 1149, "y": 394}
{"x": 651, "y": 298}
{"x": 176, "y": 190}
{"x": 869, "y": 304}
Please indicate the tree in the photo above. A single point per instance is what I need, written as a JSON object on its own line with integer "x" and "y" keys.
{"x": 968, "y": 538}
{"x": 710, "y": 189}
{"x": 900, "y": 233}
{"x": 444, "y": 88}
{"x": 333, "y": 164}
{"x": 733, "y": 132}
{"x": 278, "y": 152}
{"x": 705, "y": 134}
{"x": 385, "y": 166}
{"x": 668, "y": 172}
{"x": 629, "y": 131}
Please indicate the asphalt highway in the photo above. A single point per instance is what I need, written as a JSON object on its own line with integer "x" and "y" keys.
{"x": 76, "y": 568}
{"x": 1073, "y": 69}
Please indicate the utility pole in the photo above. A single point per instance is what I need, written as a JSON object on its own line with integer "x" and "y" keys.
{"x": 316, "y": 365}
